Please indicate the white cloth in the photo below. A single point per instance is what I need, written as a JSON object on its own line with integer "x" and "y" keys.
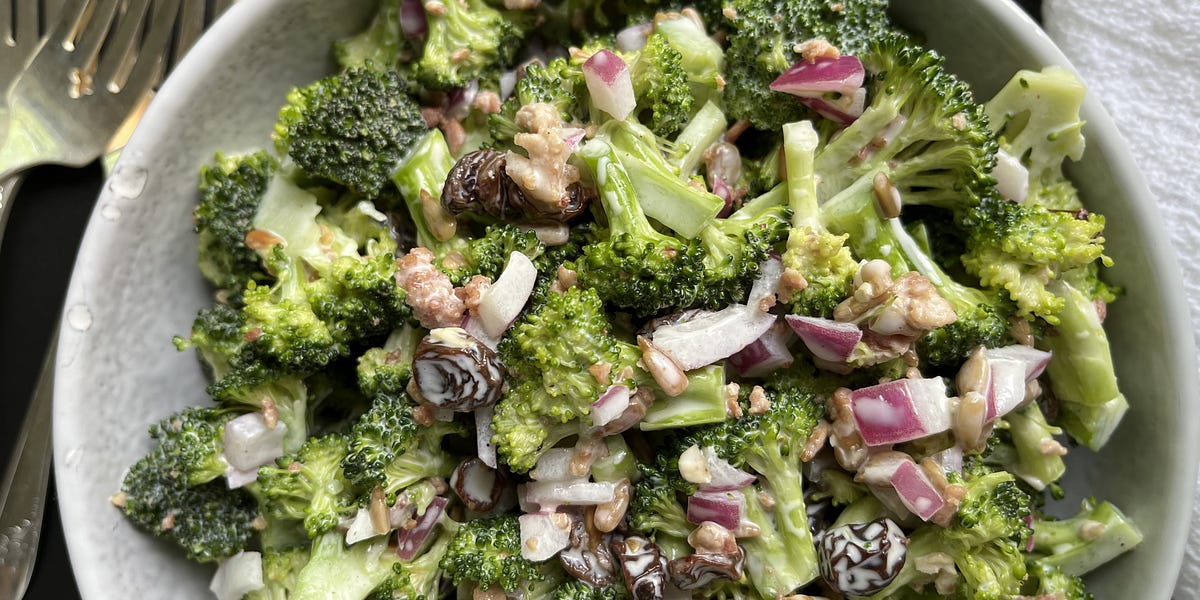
{"x": 1143, "y": 60}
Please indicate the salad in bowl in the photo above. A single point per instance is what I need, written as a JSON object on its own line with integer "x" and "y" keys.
{"x": 635, "y": 300}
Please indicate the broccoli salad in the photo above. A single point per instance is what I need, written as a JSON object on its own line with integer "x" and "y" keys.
{"x": 597, "y": 300}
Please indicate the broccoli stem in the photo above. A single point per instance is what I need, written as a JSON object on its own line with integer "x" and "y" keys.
{"x": 338, "y": 572}
{"x": 1030, "y": 432}
{"x": 703, "y": 402}
{"x": 617, "y": 194}
{"x": 424, "y": 171}
{"x": 705, "y": 128}
{"x": 799, "y": 150}
{"x": 783, "y": 480}
{"x": 770, "y": 565}
{"x": 1081, "y": 371}
{"x": 1078, "y": 545}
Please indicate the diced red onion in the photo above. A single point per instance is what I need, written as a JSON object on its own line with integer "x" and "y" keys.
{"x": 484, "y": 447}
{"x": 413, "y": 22}
{"x": 806, "y": 79}
{"x": 723, "y": 191}
{"x": 724, "y": 477}
{"x": 610, "y": 405}
{"x": 827, "y": 339}
{"x": 574, "y": 492}
{"x": 770, "y": 273}
{"x": 544, "y": 534}
{"x": 237, "y": 576}
{"x": 1035, "y": 360}
{"x": 459, "y": 100}
{"x": 410, "y": 541}
{"x": 554, "y": 465}
{"x": 1029, "y": 542}
{"x": 712, "y": 336}
{"x": 609, "y": 84}
{"x": 916, "y": 491}
{"x": 571, "y": 136}
{"x": 400, "y": 513}
{"x": 900, "y": 411}
{"x": 236, "y": 478}
{"x": 831, "y": 111}
{"x": 723, "y": 508}
{"x": 633, "y": 38}
{"x": 361, "y": 527}
{"x": 1007, "y": 387}
{"x": 766, "y": 354}
{"x": 250, "y": 443}
{"x": 506, "y": 297}
{"x": 1012, "y": 178}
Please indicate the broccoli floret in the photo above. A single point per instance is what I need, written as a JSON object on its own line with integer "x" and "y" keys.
{"x": 386, "y": 370}
{"x": 357, "y": 297}
{"x": 216, "y": 336}
{"x": 389, "y": 450}
{"x": 487, "y": 552}
{"x": 194, "y": 439}
{"x": 660, "y": 83}
{"x": 703, "y": 59}
{"x": 352, "y": 128}
{"x": 368, "y": 569}
{"x": 280, "y": 566}
{"x": 655, "y": 509}
{"x": 379, "y": 46}
{"x": 420, "y": 579}
{"x": 735, "y": 246}
{"x": 578, "y": 590}
{"x": 282, "y": 325}
{"x": 1050, "y": 581}
{"x": 230, "y": 191}
{"x": 208, "y": 521}
{"x": 548, "y": 352}
{"x": 1094, "y": 536}
{"x": 558, "y": 83}
{"x": 309, "y": 485}
{"x": 762, "y": 41}
{"x": 467, "y": 40}
{"x": 488, "y": 254}
{"x": 1081, "y": 371}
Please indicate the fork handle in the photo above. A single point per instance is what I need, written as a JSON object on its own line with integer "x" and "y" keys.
{"x": 8, "y": 192}
{"x": 23, "y": 490}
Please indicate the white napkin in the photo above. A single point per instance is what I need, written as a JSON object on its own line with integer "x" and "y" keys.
{"x": 1143, "y": 60}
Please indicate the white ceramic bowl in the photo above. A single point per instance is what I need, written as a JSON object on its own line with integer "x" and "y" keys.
{"x": 135, "y": 286}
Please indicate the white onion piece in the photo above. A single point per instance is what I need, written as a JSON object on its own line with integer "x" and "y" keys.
{"x": 609, "y": 84}
{"x": 1012, "y": 178}
{"x": 554, "y": 465}
{"x": 410, "y": 541}
{"x": 571, "y": 136}
{"x": 508, "y": 82}
{"x": 770, "y": 273}
{"x": 250, "y": 444}
{"x": 950, "y": 459}
{"x": 474, "y": 328}
{"x": 413, "y": 22}
{"x": 399, "y": 514}
{"x": 574, "y": 492}
{"x": 236, "y": 478}
{"x": 1007, "y": 390}
{"x": 724, "y": 477}
{"x": 459, "y": 100}
{"x": 1035, "y": 360}
{"x": 504, "y": 300}
{"x": 484, "y": 447}
{"x": 766, "y": 354}
{"x": 633, "y": 38}
{"x": 878, "y": 469}
{"x": 237, "y": 576}
{"x": 712, "y": 336}
{"x": 808, "y": 79}
{"x": 827, "y": 339}
{"x": 361, "y": 527}
{"x": 544, "y": 534}
{"x": 610, "y": 405}
{"x": 916, "y": 491}
{"x": 723, "y": 508}
{"x": 900, "y": 411}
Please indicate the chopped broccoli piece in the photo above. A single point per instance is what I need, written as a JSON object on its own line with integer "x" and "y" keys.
{"x": 380, "y": 45}
{"x": 386, "y": 370}
{"x": 280, "y": 566}
{"x": 389, "y": 450}
{"x": 309, "y": 485}
{"x": 1094, "y": 536}
{"x": 488, "y": 552}
{"x": 467, "y": 40}
{"x": 230, "y": 191}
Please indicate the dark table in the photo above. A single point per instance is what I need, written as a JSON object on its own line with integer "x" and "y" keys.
{"x": 38, "y": 253}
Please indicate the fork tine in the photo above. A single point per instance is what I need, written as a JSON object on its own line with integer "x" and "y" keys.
{"x": 95, "y": 30}
{"x": 117, "y": 52}
{"x": 191, "y": 24}
{"x": 63, "y": 30}
{"x": 151, "y": 57}
{"x": 27, "y": 20}
{"x": 6, "y": 20}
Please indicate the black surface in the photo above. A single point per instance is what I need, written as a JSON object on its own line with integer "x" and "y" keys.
{"x": 38, "y": 252}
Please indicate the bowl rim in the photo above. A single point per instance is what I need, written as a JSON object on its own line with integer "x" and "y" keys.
{"x": 240, "y": 20}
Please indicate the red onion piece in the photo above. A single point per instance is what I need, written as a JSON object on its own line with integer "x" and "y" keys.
{"x": 609, "y": 84}
{"x": 712, "y": 336}
{"x": 458, "y": 102}
{"x": 842, "y": 75}
{"x": 830, "y": 110}
{"x": 724, "y": 192}
{"x": 410, "y": 541}
{"x": 766, "y": 354}
{"x": 250, "y": 443}
{"x": 544, "y": 534}
{"x": 901, "y": 410}
{"x": 571, "y": 136}
{"x": 1035, "y": 360}
{"x": 633, "y": 38}
{"x": 610, "y": 405}
{"x": 575, "y": 492}
{"x": 483, "y": 435}
{"x": 413, "y": 22}
{"x": 506, "y": 297}
{"x": 916, "y": 491}
{"x": 723, "y": 508}
{"x": 554, "y": 465}
{"x": 827, "y": 339}
{"x": 1007, "y": 387}
{"x": 237, "y": 576}
{"x": 724, "y": 477}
